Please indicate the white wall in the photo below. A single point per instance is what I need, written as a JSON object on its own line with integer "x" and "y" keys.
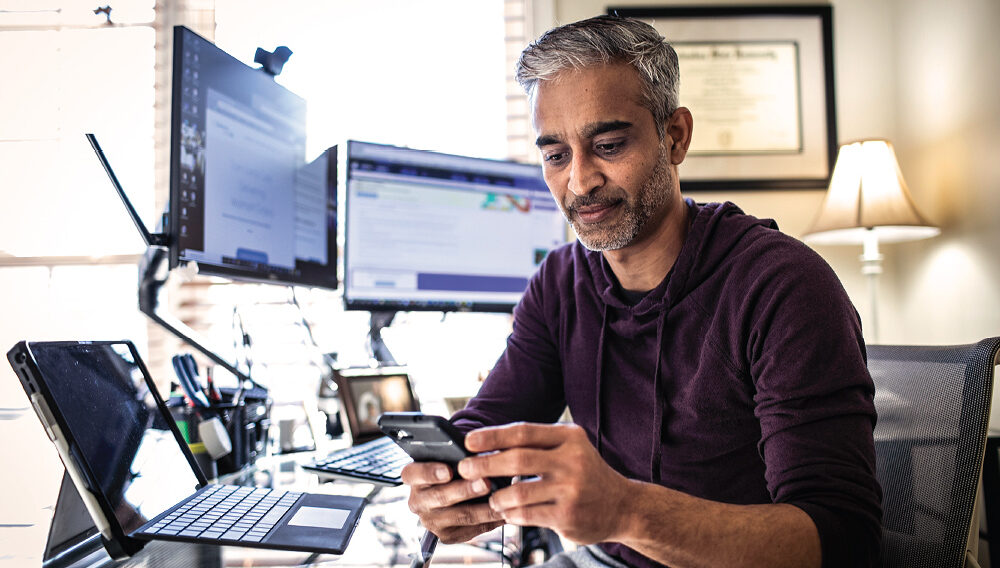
{"x": 947, "y": 75}
{"x": 924, "y": 75}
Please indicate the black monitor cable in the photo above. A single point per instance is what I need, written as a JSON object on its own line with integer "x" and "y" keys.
{"x": 243, "y": 349}
{"x": 242, "y": 344}
{"x": 302, "y": 316}
{"x": 329, "y": 360}
{"x": 501, "y": 549}
{"x": 502, "y": 555}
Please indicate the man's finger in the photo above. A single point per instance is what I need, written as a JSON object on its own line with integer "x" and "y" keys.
{"x": 425, "y": 473}
{"x": 545, "y": 515}
{"x": 510, "y": 463}
{"x": 468, "y": 515}
{"x": 453, "y": 535}
{"x": 519, "y": 435}
{"x": 426, "y": 499}
{"x": 524, "y": 494}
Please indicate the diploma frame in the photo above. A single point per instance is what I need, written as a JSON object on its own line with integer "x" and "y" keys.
{"x": 810, "y": 30}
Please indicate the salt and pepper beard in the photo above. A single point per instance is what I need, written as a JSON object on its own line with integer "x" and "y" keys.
{"x": 635, "y": 214}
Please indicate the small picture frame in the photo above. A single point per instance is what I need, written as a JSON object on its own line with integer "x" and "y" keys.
{"x": 368, "y": 392}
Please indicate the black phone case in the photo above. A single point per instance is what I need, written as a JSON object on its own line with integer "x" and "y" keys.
{"x": 426, "y": 437}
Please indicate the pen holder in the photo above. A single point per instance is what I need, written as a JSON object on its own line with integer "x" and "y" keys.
{"x": 204, "y": 460}
{"x": 247, "y": 421}
{"x": 187, "y": 422}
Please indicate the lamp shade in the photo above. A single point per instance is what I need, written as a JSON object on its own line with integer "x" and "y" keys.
{"x": 868, "y": 193}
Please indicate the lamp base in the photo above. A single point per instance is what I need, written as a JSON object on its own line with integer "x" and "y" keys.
{"x": 871, "y": 266}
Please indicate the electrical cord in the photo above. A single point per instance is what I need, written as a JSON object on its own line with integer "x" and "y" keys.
{"x": 390, "y": 530}
{"x": 325, "y": 362}
{"x": 242, "y": 344}
{"x": 302, "y": 316}
{"x": 243, "y": 349}
{"x": 502, "y": 555}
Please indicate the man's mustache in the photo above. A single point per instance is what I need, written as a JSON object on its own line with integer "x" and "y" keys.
{"x": 592, "y": 199}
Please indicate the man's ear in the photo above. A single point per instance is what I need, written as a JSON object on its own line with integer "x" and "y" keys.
{"x": 679, "y": 128}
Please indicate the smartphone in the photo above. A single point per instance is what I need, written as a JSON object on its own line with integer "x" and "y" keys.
{"x": 430, "y": 438}
{"x": 425, "y": 437}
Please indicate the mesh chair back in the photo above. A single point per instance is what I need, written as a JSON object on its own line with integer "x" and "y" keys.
{"x": 933, "y": 408}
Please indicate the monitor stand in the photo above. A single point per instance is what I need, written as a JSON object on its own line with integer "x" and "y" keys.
{"x": 380, "y": 352}
{"x": 153, "y": 274}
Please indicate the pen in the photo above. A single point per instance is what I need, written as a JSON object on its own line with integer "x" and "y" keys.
{"x": 427, "y": 545}
{"x": 192, "y": 367}
{"x": 213, "y": 393}
{"x": 188, "y": 383}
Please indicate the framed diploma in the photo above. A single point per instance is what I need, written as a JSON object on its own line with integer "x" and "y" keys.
{"x": 759, "y": 83}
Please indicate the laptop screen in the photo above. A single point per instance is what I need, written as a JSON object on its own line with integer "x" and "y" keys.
{"x": 122, "y": 437}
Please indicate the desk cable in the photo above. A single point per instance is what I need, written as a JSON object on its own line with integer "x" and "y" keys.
{"x": 242, "y": 344}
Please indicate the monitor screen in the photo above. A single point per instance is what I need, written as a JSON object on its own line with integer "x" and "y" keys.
{"x": 243, "y": 202}
{"x": 431, "y": 231}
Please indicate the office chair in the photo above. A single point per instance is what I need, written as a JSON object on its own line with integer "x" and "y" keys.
{"x": 933, "y": 407}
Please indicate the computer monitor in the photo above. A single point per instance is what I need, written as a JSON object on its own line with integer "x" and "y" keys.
{"x": 243, "y": 202}
{"x": 432, "y": 231}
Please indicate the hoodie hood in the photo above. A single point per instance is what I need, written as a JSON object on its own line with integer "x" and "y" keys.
{"x": 715, "y": 230}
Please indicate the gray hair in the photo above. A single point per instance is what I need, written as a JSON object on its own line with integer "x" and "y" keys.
{"x": 603, "y": 40}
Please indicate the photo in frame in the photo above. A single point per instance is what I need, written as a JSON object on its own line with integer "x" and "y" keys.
{"x": 759, "y": 83}
{"x": 368, "y": 392}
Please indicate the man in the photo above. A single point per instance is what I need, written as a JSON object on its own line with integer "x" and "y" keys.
{"x": 714, "y": 367}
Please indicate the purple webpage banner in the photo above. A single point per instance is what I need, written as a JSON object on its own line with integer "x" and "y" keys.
{"x": 470, "y": 283}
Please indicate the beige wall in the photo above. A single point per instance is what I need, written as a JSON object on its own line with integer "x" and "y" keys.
{"x": 925, "y": 75}
{"x": 948, "y": 115}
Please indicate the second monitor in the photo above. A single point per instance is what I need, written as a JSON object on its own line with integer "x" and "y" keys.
{"x": 432, "y": 231}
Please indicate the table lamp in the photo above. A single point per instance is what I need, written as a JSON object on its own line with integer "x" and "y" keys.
{"x": 867, "y": 203}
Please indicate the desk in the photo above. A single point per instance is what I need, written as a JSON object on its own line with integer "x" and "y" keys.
{"x": 387, "y": 534}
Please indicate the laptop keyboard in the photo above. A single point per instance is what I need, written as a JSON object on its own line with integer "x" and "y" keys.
{"x": 377, "y": 461}
{"x": 227, "y": 512}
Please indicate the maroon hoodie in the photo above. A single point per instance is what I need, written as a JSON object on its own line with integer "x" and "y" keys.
{"x": 741, "y": 378}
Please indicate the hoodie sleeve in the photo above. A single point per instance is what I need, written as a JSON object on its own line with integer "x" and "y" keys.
{"x": 814, "y": 399}
{"x": 526, "y": 382}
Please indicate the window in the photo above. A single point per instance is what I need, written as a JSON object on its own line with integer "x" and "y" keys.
{"x": 67, "y": 250}
{"x": 428, "y": 75}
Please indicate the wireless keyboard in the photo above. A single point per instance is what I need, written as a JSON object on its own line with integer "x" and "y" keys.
{"x": 378, "y": 461}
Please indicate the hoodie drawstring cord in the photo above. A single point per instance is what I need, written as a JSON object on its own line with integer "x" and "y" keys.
{"x": 600, "y": 374}
{"x": 658, "y": 404}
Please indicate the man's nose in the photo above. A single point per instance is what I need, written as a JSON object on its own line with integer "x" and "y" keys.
{"x": 584, "y": 175}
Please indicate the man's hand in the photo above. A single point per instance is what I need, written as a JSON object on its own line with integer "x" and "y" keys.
{"x": 436, "y": 499}
{"x": 575, "y": 493}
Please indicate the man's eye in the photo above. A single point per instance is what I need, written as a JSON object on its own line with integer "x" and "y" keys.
{"x": 609, "y": 148}
{"x": 555, "y": 157}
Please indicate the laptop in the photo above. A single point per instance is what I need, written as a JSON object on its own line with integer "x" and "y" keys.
{"x": 365, "y": 394}
{"x": 137, "y": 477}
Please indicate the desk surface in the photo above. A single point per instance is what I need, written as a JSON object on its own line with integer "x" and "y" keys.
{"x": 387, "y": 535}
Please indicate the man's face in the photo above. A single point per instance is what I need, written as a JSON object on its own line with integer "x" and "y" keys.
{"x": 602, "y": 158}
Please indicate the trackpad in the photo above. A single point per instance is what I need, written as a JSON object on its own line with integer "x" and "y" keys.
{"x": 319, "y": 522}
{"x": 320, "y": 517}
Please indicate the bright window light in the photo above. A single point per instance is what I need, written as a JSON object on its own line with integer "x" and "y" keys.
{"x": 426, "y": 74}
